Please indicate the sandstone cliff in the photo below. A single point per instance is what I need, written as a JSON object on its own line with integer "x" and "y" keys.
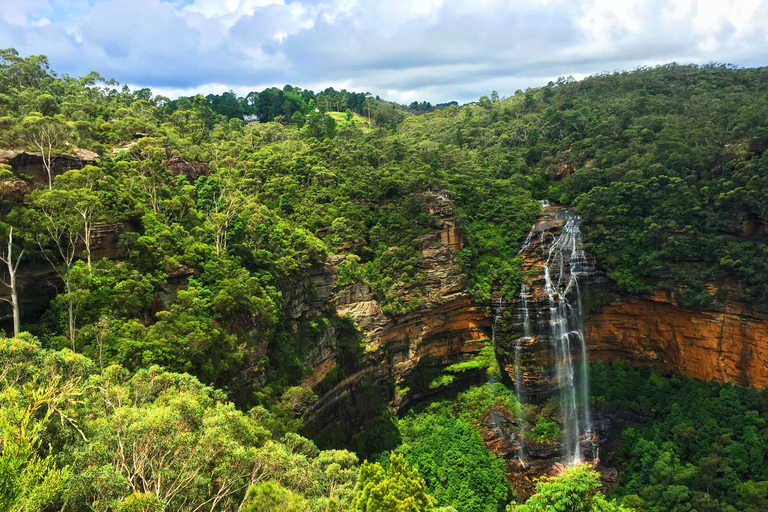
{"x": 401, "y": 355}
{"x": 38, "y": 282}
{"x": 525, "y": 342}
{"x": 31, "y": 163}
{"x": 725, "y": 345}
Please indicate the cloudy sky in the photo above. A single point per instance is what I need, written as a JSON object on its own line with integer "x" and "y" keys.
{"x": 403, "y": 50}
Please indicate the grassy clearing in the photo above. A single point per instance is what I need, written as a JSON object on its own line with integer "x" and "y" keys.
{"x": 341, "y": 118}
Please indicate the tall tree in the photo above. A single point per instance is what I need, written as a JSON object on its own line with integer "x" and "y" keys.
{"x": 12, "y": 266}
{"x": 576, "y": 490}
{"x": 221, "y": 198}
{"x": 400, "y": 489}
{"x": 59, "y": 226}
{"x": 87, "y": 200}
{"x": 47, "y": 135}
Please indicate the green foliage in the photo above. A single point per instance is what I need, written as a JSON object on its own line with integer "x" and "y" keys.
{"x": 152, "y": 440}
{"x": 576, "y": 490}
{"x": 458, "y": 469}
{"x": 272, "y": 497}
{"x": 399, "y": 489}
{"x": 226, "y": 229}
{"x": 29, "y": 475}
{"x": 440, "y": 381}
{"x": 485, "y": 360}
{"x": 544, "y": 430}
{"x": 442, "y": 440}
{"x": 704, "y": 446}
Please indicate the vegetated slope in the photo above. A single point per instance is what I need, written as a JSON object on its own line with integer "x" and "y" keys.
{"x": 223, "y": 223}
{"x": 664, "y": 164}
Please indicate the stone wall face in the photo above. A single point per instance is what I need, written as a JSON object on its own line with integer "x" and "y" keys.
{"x": 399, "y": 351}
{"x": 725, "y": 345}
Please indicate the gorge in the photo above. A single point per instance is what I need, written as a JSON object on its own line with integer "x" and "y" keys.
{"x": 486, "y": 294}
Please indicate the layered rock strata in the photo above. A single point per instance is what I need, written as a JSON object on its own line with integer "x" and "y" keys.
{"x": 727, "y": 344}
{"x": 525, "y": 346}
{"x": 724, "y": 343}
{"x": 401, "y": 354}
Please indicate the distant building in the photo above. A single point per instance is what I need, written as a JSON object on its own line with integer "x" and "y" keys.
{"x": 250, "y": 119}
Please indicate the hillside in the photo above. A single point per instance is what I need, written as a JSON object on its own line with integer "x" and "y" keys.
{"x": 362, "y": 287}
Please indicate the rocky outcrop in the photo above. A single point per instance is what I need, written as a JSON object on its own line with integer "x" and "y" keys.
{"x": 181, "y": 167}
{"x": 402, "y": 353}
{"x": 38, "y": 282}
{"x": 561, "y": 171}
{"x": 525, "y": 347}
{"x": 742, "y": 224}
{"x": 15, "y": 190}
{"x": 105, "y": 238}
{"x": 449, "y": 232}
{"x": 726, "y": 344}
{"x": 31, "y": 163}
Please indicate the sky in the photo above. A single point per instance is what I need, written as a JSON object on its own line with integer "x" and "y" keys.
{"x": 401, "y": 50}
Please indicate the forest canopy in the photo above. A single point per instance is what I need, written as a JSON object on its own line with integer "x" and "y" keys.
{"x": 187, "y": 336}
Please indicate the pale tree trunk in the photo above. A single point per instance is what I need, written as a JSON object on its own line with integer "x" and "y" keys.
{"x": 46, "y": 138}
{"x": 225, "y": 207}
{"x": 66, "y": 242}
{"x": 86, "y": 236}
{"x": 88, "y": 227}
{"x": 70, "y": 307}
{"x": 47, "y": 158}
{"x": 11, "y": 283}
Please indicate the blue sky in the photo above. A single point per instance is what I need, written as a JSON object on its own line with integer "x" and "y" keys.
{"x": 403, "y": 50}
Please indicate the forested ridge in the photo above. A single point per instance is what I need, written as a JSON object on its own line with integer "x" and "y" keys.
{"x": 120, "y": 394}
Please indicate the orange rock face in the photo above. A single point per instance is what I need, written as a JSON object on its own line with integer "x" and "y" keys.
{"x": 406, "y": 351}
{"x": 724, "y": 346}
{"x": 445, "y": 329}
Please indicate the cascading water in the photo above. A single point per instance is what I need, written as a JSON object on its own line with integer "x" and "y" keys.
{"x": 497, "y": 317}
{"x": 527, "y": 241}
{"x": 519, "y": 376}
{"x": 564, "y": 264}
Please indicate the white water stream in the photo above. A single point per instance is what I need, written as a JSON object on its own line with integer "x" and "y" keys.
{"x": 564, "y": 263}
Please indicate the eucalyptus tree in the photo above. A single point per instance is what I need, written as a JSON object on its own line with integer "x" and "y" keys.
{"x": 48, "y": 136}
{"x": 58, "y": 226}
{"x": 12, "y": 265}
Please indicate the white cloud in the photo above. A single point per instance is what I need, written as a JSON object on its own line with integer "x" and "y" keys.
{"x": 18, "y": 13}
{"x": 407, "y": 50}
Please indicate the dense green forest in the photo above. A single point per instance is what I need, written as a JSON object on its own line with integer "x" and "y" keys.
{"x": 704, "y": 448}
{"x": 120, "y": 396}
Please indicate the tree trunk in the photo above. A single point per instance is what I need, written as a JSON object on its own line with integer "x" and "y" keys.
{"x": 72, "y": 325}
{"x": 70, "y": 305}
{"x": 87, "y": 239}
{"x": 12, "y": 268}
{"x": 15, "y": 305}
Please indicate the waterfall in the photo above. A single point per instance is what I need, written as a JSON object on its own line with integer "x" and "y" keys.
{"x": 519, "y": 376}
{"x": 564, "y": 264}
{"x": 527, "y": 241}
{"x": 526, "y": 315}
{"x": 496, "y": 318}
